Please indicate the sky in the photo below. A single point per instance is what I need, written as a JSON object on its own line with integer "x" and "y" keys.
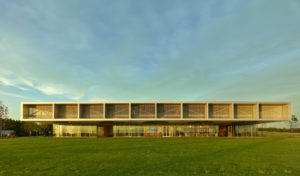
{"x": 144, "y": 50}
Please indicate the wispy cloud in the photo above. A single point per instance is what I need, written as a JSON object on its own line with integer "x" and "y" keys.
{"x": 9, "y": 81}
{"x": 45, "y": 88}
{"x": 56, "y": 89}
{"x": 14, "y": 95}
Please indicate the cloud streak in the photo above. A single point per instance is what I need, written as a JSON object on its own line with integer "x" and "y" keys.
{"x": 20, "y": 83}
{"x": 14, "y": 95}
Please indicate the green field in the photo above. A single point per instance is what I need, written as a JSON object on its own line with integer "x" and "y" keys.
{"x": 150, "y": 156}
{"x": 277, "y": 134}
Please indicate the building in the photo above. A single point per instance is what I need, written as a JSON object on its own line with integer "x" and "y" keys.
{"x": 8, "y": 133}
{"x": 154, "y": 119}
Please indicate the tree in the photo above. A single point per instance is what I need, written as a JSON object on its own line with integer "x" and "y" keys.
{"x": 29, "y": 127}
{"x": 22, "y": 128}
{"x": 293, "y": 122}
{"x": 3, "y": 116}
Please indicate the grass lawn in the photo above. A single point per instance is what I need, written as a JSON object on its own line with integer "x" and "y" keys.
{"x": 150, "y": 156}
{"x": 277, "y": 134}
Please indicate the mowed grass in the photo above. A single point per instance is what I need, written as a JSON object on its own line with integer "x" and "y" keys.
{"x": 277, "y": 134}
{"x": 149, "y": 156}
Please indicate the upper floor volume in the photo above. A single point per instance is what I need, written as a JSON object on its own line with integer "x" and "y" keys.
{"x": 155, "y": 111}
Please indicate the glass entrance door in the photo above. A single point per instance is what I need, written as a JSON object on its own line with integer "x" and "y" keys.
{"x": 222, "y": 130}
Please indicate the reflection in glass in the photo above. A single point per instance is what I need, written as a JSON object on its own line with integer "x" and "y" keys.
{"x": 63, "y": 130}
{"x": 165, "y": 130}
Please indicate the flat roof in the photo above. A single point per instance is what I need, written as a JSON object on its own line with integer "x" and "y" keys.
{"x": 204, "y": 102}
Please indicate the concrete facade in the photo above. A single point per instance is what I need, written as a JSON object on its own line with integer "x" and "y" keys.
{"x": 170, "y": 116}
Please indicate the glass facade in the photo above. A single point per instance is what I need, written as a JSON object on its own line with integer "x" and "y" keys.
{"x": 245, "y": 130}
{"x": 66, "y": 111}
{"x": 40, "y": 111}
{"x": 233, "y": 111}
{"x": 91, "y": 111}
{"x": 63, "y": 130}
{"x": 194, "y": 111}
{"x": 168, "y": 111}
{"x": 75, "y": 131}
{"x": 220, "y": 111}
{"x": 165, "y": 130}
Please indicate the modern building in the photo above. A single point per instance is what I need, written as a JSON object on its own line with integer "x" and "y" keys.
{"x": 155, "y": 119}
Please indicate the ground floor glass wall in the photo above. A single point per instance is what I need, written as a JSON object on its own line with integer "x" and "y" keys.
{"x": 74, "y": 130}
{"x": 245, "y": 130}
{"x": 164, "y": 130}
{"x": 67, "y": 130}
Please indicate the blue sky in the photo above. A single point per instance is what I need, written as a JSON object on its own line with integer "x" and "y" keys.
{"x": 149, "y": 50}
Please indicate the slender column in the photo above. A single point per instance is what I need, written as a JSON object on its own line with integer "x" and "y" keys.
{"x": 257, "y": 109}
{"x": 232, "y": 110}
{"x": 53, "y": 109}
{"x": 78, "y": 109}
{"x": 22, "y": 106}
{"x": 181, "y": 110}
{"x": 206, "y": 111}
{"x": 129, "y": 110}
{"x": 155, "y": 110}
{"x": 104, "y": 113}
